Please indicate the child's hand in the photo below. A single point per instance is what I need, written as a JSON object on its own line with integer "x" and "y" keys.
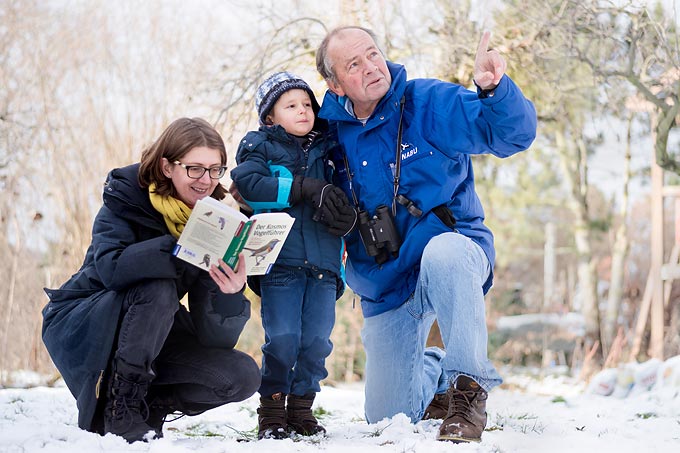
{"x": 340, "y": 221}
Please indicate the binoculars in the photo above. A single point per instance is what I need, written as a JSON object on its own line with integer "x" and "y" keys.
{"x": 379, "y": 234}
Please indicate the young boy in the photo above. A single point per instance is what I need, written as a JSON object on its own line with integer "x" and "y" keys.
{"x": 284, "y": 166}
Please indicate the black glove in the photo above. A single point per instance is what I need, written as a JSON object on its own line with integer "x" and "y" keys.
{"x": 307, "y": 189}
{"x": 340, "y": 221}
{"x": 331, "y": 205}
{"x": 319, "y": 194}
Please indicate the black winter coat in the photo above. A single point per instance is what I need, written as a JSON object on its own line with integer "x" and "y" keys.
{"x": 130, "y": 244}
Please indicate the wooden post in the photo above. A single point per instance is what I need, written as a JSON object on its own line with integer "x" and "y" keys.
{"x": 675, "y": 255}
{"x": 549, "y": 266}
{"x": 643, "y": 315}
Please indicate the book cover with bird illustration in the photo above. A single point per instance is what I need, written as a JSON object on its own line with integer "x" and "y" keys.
{"x": 215, "y": 230}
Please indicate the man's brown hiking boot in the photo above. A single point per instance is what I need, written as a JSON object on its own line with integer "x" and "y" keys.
{"x": 438, "y": 408}
{"x": 466, "y": 418}
{"x": 300, "y": 417}
{"x": 271, "y": 417}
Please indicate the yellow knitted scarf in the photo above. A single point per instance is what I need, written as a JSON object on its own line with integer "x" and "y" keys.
{"x": 175, "y": 212}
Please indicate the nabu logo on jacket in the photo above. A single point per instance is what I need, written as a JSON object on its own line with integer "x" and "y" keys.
{"x": 407, "y": 151}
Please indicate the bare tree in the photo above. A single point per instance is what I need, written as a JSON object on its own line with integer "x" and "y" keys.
{"x": 559, "y": 86}
{"x": 66, "y": 118}
{"x": 21, "y": 159}
{"x": 620, "y": 251}
{"x": 639, "y": 47}
{"x": 586, "y": 57}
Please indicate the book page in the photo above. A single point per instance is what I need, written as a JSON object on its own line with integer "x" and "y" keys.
{"x": 215, "y": 230}
{"x": 209, "y": 232}
{"x": 225, "y": 208}
{"x": 266, "y": 239}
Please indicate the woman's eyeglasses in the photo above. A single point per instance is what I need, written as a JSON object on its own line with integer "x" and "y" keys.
{"x": 197, "y": 172}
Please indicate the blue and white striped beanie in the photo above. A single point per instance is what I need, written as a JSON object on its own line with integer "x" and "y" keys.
{"x": 274, "y": 86}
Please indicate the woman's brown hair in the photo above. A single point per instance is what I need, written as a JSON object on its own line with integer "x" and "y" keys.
{"x": 180, "y": 137}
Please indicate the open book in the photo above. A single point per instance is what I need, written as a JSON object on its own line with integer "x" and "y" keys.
{"x": 215, "y": 230}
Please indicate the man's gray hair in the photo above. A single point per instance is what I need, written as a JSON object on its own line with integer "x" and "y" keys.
{"x": 324, "y": 65}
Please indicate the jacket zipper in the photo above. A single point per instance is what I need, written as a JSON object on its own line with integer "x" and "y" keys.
{"x": 99, "y": 383}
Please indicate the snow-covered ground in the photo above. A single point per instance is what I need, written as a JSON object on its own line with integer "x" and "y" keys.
{"x": 526, "y": 415}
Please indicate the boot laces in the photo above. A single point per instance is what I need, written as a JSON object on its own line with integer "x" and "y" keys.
{"x": 461, "y": 403}
{"x": 124, "y": 406}
{"x": 175, "y": 416}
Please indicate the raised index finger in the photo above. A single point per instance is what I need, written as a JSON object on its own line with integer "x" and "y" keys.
{"x": 483, "y": 46}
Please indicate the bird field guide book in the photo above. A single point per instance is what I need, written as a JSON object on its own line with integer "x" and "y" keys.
{"x": 215, "y": 230}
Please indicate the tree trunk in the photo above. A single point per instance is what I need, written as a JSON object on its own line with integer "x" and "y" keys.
{"x": 619, "y": 253}
{"x": 588, "y": 288}
{"x": 5, "y": 356}
{"x": 657, "y": 259}
{"x": 574, "y": 163}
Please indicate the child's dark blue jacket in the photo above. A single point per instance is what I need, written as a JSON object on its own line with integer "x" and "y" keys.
{"x": 268, "y": 159}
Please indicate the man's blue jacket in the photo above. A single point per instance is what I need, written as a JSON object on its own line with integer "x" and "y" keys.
{"x": 443, "y": 124}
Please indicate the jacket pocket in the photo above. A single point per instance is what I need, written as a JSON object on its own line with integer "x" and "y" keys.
{"x": 446, "y": 216}
{"x": 408, "y": 159}
{"x": 61, "y": 295}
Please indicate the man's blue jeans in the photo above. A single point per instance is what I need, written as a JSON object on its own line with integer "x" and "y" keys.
{"x": 298, "y": 313}
{"x": 401, "y": 374}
